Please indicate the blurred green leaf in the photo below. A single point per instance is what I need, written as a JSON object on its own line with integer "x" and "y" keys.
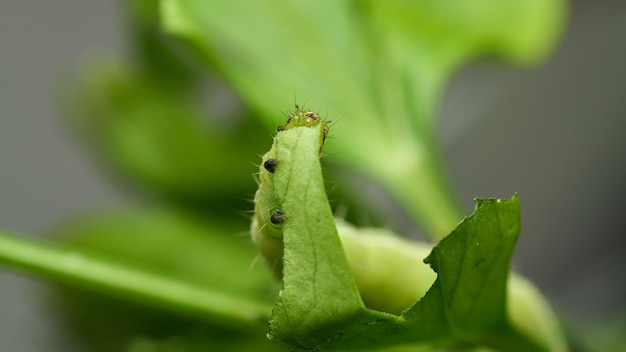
{"x": 150, "y": 121}
{"x": 203, "y": 340}
{"x": 164, "y": 59}
{"x": 378, "y": 68}
{"x": 162, "y": 142}
{"x": 173, "y": 243}
{"x": 155, "y": 274}
{"x": 176, "y": 245}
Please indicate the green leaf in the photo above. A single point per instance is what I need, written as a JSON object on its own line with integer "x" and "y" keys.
{"x": 175, "y": 244}
{"x": 208, "y": 282}
{"x": 319, "y": 307}
{"x": 379, "y": 67}
{"x": 201, "y": 340}
{"x": 473, "y": 265}
{"x": 318, "y": 271}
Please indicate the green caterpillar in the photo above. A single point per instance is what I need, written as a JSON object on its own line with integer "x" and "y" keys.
{"x": 302, "y": 138}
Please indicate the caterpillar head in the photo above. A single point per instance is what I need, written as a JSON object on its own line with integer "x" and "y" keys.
{"x": 304, "y": 118}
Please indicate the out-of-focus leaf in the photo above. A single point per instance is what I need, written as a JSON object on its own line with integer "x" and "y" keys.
{"x": 113, "y": 276}
{"x": 377, "y": 67}
{"x": 149, "y": 120}
{"x": 167, "y": 61}
{"x": 161, "y": 142}
{"x": 155, "y": 274}
{"x": 202, "y": 340}
{"x": 176, "y": 244}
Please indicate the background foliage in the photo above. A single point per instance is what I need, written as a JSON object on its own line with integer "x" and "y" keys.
{"x": 159, "y": 181}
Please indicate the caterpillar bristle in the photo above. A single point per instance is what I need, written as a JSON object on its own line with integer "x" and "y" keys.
{"x": 255, "y": 177}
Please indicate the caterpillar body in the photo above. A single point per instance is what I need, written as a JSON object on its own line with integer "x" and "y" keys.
{"x": 371, "y": 253}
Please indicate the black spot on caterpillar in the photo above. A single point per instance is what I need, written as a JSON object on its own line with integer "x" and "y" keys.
{"x": 270, "y": 165}
{"x": 277, "y": 217}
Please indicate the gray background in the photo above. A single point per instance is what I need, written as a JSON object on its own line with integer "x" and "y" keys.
{"x": 555, "y": 134}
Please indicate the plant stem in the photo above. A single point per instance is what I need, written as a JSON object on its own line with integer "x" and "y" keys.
{"x": 420, "y": 184}
{"x": 62, "y": 263}
{"x": 425, "y": 191}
